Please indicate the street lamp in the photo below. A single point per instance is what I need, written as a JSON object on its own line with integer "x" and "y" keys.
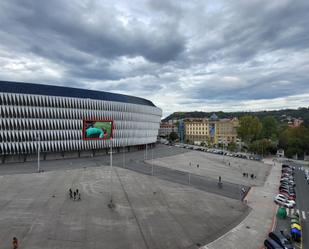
{"x": 38, "y": 146}
{"x": 152, "y": 160}
{"x": 222, "y": 151}
{"x": 111, "y": 203}
{"x": 123, "y": 158}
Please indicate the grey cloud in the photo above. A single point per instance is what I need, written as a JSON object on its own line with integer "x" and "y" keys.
{"x": 105, "y": 36}
{"x": 265, "y": 87}
{"x": 94, "y": 44}
{"x": 257, "y": 28}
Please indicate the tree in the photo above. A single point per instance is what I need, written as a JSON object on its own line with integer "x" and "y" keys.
{"x": 173, "y": 136}
{"x": 306, "y": 119}
{"x": 249, "y": 128}
{"x": 263, "y": 147}
{"x": 232, "y": 146}
{"x": 295, "y": 141}
{"x": 269, "y": 128}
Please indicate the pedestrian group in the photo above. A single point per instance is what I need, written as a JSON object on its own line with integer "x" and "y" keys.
{"x": 74, "y": 195}
{"x": 247, "y": 175}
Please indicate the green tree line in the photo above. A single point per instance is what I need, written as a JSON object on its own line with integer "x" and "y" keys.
{"x": 302, "y": 112}
{"x": 266, "y": 135}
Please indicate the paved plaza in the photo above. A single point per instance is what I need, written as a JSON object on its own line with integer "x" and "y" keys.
{"x": 160, "y": 211}
{"x": 231, "y": 169}
{"x": 149, "y": 213}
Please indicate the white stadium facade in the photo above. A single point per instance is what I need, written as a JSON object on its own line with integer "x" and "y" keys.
{"x": 51, "y": 118}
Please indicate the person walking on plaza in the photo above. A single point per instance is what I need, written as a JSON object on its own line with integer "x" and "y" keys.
{"x": 74, "y": 194}
{"x": 15, "y": 243}
{"x": 71, "y": 193}
{"x": 220, "y": 182}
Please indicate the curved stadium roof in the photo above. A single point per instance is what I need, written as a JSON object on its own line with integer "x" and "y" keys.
{"x": 61, "y": 91}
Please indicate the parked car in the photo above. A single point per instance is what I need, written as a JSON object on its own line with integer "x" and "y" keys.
{"x": 288, "y": 177}
{"x": 286, "y": 166}
{"x": 296, "y": 234}
{"x": 286, "y": 198}
{"x": 295, "y": 221}
{"x": 285, "y": 183}
{"x": 288, "y": 194}
{"x": 284, "y": 202}
{"x": 271, "y": 244}
{"x": 291, "y": 182}
{"x": 307, "y": 175}
{"x": 289, "y": 197}
{"x": 286, "y": 171}
{"x": 286, "y": 187}
{"x": 286, "y": 174}
{"x": 281, "y": 240}
{"x": 295, "y": 225}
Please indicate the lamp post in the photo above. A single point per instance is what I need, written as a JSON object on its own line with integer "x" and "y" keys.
{"x": 152, "y": 160}
{"x": 38, "y": 145}
{"x": 123, "y": 158}
{"x": 111, "y": 203}
{"x": 222, "y": 151}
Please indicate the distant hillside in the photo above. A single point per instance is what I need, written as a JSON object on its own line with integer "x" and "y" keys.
{"x": 295, "y": 113}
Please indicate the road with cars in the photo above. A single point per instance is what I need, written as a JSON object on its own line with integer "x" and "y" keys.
{"x": 302, "y": 203}
{"x": 301, "y": 208}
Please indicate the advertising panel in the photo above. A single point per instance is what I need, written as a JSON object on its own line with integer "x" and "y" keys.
{"x": 97, "y": 129}
{"x": 212, "y": 129}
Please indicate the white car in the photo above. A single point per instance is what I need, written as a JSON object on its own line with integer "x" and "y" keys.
{"x": 290, "y": 178}
{"x": 283, "y": 201}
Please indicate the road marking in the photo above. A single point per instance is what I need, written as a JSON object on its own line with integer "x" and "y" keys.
{"x": 291, "y": 211}
{"x": 304, "y": 214}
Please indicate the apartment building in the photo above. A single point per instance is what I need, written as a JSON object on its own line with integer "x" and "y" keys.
{"x": 196, "y": 131}
{"x": 166, "y": 129}
{"x": 226, "y": 131}
{"x": 211, "y": 131}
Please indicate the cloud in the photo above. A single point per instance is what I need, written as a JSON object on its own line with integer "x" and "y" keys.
{"x": 189, "y": 55}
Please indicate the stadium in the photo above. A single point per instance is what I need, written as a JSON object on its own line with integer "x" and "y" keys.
{"x": 53, "y": 119}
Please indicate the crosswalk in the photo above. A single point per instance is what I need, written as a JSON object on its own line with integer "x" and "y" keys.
{"x": 291, "y": 211}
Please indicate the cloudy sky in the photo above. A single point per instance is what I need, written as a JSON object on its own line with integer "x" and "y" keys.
{"x": 182, "y": 55}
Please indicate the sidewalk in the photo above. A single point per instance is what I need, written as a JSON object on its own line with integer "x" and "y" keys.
{"x": 252, "y": 231}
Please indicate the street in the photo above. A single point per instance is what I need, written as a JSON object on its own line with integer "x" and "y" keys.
{"x": 302, "y": 202}
{"x": 302, "y": 207}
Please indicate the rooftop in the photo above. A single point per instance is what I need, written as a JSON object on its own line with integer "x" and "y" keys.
{"x": 61, "y": 91}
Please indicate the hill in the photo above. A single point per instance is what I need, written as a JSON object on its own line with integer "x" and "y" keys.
{"x": 301, "y": 112}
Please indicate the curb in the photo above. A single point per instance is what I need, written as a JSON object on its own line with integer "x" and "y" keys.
{"x": 273, "y": 223}
{"x": 245, "y": 195}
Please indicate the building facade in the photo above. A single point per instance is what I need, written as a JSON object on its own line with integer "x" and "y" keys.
{"x": 181, "y": 130}
{"x": 197, "y": 131}
{"x": 51, "y": 118}
{"x": 226, "y": 131}
{"x": 166, "y": 129}
{"x": 211, "y": 131}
